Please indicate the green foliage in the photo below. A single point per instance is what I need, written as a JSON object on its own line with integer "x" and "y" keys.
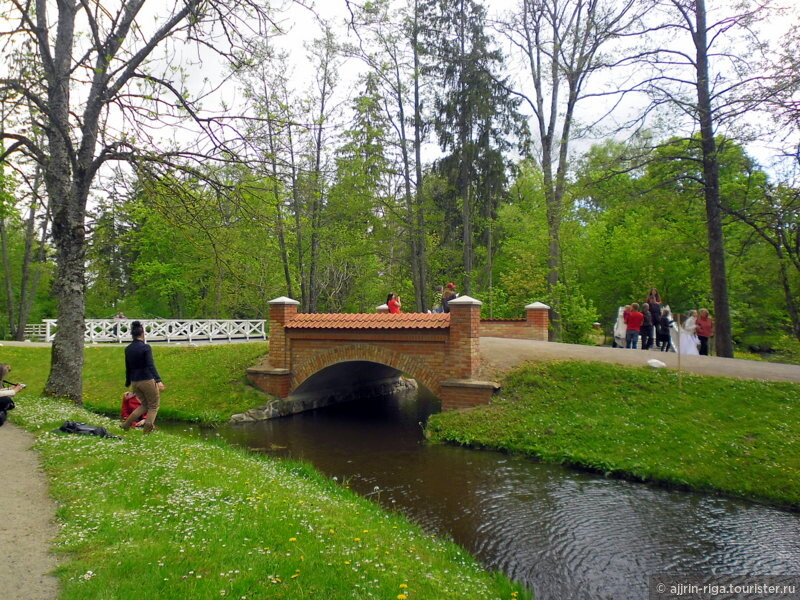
{"x": 578, "y": 315}
{"x": 707, "y": 433}
{"x": 787, "y": 349}
{"x": 43, "y": 305}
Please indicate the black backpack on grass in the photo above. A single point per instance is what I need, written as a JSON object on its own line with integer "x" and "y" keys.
{"x": 85, "y": 429}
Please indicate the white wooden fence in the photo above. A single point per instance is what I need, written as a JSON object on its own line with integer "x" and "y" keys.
{"x": 35, "y": 331}
{"x": 167, "y": 330}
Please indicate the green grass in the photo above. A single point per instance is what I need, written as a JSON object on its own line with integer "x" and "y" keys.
{"x": 168, "y": 517}
{"x": 204, "y": 383}
{"x": 735, "y": 436}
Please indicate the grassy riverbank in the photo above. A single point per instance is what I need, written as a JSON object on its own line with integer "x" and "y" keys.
{"x": 739, "y": 437}
{"x": 163, "y": 516}
{"x": 205, "y": 383}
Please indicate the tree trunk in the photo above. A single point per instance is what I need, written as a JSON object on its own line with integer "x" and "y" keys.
{"x": 716, "y": 245}
{"x": 791, "y": 305}
{"x": 30, "y": 281}
{"x": 26, "y": 282}
{"x": 9, "y": 287}
{"x": 67, "y": 191}
{"x": 554, "y": 241}
{"x": 278, "y": 204}
{"x": 412, "y": 198}
{"x": 465, "y": 163}
{"x": 298, "y": 223}
{"x": 421, "y": 256}
{"x": 65, "y": 380}
{"x": 318, "y": 182}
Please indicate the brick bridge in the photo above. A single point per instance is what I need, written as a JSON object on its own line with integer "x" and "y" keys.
{"x": 316, "y": 353}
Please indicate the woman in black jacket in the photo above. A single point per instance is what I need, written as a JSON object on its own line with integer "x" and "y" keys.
{"x": 665, "y": 330}
{"x": 142, "y": 376}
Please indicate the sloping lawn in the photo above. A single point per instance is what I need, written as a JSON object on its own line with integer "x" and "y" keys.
{"x": 205, "y": 383}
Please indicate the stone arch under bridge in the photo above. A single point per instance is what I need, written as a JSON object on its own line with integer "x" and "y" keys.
{"x": 402, "y": 363}
{"x": 440, "y": 350}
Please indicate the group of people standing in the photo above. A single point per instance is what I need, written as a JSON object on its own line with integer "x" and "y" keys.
{"x": 443, "y": 296}
{"x": 655, "y": 324}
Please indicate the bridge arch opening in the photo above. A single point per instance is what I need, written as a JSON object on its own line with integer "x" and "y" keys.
{"x": 350, "y": 379}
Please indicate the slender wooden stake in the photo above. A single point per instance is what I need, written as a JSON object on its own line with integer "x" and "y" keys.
{"x": 680, "y": 373}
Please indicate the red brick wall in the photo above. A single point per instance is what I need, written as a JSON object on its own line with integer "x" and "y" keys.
{"x": 464, "y": 349}
{"x": 539, "y": 321}
{"x": 277, "y": 385}
{"x": 507, "y": 328}
{"x": 454, "y": 398}
{"x": 534, "y": 327}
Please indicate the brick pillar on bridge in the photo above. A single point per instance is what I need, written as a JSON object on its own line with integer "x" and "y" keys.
{"x": 464, "y": 349}
{"x": 463, "y": 389}
{"x": 275, "y": 376}
{"x": 537, "y": 317}
{"x": 281, "y": 311}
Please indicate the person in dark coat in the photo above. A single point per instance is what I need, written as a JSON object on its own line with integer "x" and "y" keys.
{"x": 142, "y": 376}
{"x": 647, "y": 327}
{"x": 654, "y": 302}
{"x": 665, "y": 330}
{"x": 448, "y": 294}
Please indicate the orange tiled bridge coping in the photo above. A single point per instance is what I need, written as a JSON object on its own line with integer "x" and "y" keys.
{"x": 441, "y": 351}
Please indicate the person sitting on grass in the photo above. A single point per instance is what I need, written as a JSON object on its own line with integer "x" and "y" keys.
{"x": 7, "y": 393}
{"x": 130, "y": 402}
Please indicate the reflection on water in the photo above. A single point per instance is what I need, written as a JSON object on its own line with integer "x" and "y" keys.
{"x": 565, "y": 534}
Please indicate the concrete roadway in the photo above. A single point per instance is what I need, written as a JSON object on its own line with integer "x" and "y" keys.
{"x": 499, "y": 355}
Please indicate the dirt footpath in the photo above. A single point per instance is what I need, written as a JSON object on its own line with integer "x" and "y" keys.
{"x": 498, "y": 355}
{"x": 27, "y": 521}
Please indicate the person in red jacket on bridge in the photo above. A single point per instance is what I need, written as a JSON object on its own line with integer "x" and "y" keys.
{"x": 633, "y": 324}
{"x": 393, "y": 302}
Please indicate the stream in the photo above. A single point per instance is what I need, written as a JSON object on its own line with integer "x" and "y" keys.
{"x": 568, "y": 535}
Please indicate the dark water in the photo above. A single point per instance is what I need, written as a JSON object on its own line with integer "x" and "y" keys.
{"x": 565, "y": 534}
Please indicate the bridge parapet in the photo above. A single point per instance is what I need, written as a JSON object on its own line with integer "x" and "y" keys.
{"x": 535, "y": 325}
{"x": 442, "y": 350}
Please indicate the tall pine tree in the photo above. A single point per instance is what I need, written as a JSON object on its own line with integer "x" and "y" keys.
{"x": 475, "y": 119}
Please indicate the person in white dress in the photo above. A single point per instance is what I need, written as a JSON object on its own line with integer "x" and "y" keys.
{"x": 619, "y": 328}
{"x": 688, "y": 342}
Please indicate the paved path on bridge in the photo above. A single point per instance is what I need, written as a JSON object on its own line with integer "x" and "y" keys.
{"x": 498, "y": 355}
